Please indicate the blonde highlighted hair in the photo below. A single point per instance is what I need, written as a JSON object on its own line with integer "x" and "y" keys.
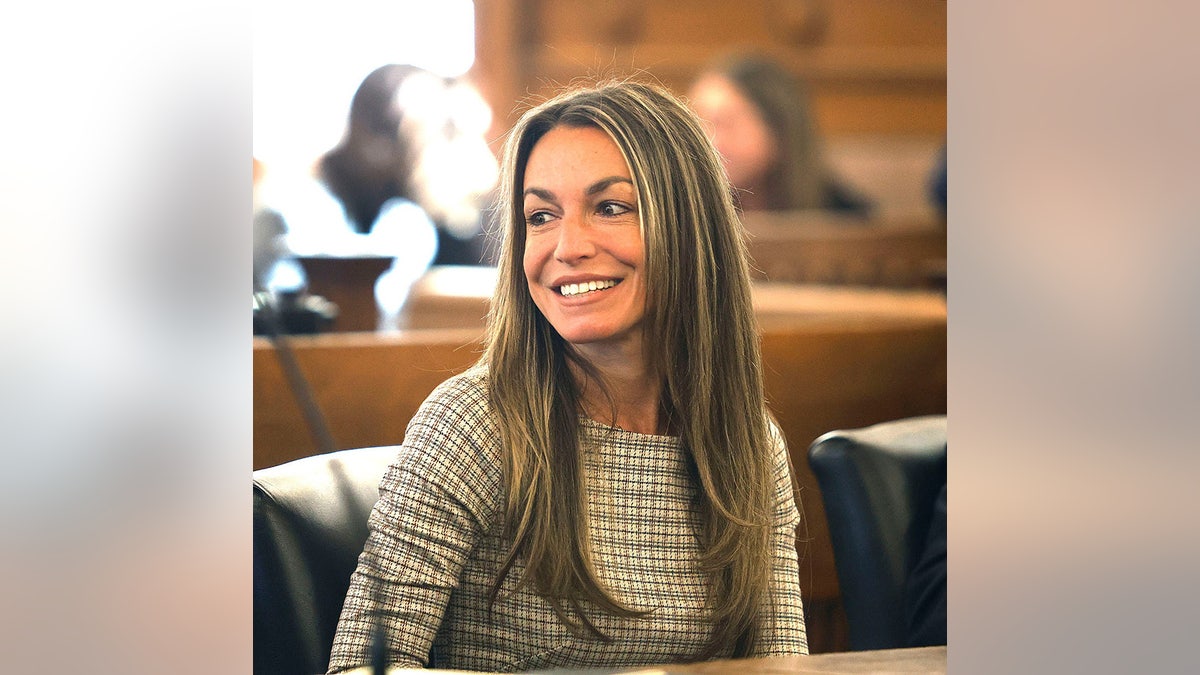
{"x": 704, "y": 347}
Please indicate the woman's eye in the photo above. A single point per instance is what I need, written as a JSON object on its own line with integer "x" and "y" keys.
{"x": 613, "y": 209}
{"x": 537, "y": 218}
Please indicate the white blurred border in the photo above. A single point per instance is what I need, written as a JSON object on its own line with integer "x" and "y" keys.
{"x": 1074, "y": 298}
{"x": 125, "y": 368}
{"x": 125, "y": 195}
{"x": 309, "y": 59}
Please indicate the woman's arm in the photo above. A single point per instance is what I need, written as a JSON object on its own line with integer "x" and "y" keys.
{"x": 783, "y": 631}
{"x": 435, "y": 502}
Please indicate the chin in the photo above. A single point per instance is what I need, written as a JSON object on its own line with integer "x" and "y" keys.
{"x": 594, "y": 334}
{"x": 586, "y": 336}
{"x": 579, "y": 332}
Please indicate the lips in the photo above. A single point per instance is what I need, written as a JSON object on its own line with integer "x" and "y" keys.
{"x": 579, "y": 288}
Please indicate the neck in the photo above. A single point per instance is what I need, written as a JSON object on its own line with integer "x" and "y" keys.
{"x": 636, "y": 393}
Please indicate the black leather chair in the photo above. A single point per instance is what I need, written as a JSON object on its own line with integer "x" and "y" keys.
{"x": 880, "y": 485}
{"x": 310, "y": 524}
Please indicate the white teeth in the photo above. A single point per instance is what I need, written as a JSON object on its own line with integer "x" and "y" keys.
{"x": 586, "y": 287}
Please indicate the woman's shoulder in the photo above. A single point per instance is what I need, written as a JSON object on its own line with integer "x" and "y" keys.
{"x": 467, "y": 390}
{"x": 450, "y": 449}
{"x": 453, "y": 439}
{"x": 785, "y": 484}
{"x": 775, "y": 433}
{"x": 459, "y": 405}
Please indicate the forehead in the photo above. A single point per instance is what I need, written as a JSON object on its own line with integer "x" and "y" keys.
{"x": 566, "y": 154}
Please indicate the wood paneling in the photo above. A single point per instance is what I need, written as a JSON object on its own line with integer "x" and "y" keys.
{"x": 876, "y": 66}
{"x": 349, "y": 283}
{"x": 817, "y": 248}
{"x": 367, "y": 385}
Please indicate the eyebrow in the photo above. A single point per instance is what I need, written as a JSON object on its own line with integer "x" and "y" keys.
{"x": 595, "y": 188}
{"x": 604, "y": 183}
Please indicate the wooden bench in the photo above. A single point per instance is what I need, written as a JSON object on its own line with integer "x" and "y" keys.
{"x": 815, "y": 248}
{"x": 367, "y": 386}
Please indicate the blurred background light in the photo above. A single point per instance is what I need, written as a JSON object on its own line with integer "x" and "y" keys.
{"x": 309, "y": 58}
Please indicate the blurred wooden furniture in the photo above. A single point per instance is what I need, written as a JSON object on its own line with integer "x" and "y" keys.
{"x": 844, "y": 358}
{"x": 780, "y": 306}
{"x": 894, "y": 170}
{"x": 349, "y": 283}
{"x": 874, "y": 66}
{"x": 459, "y": 297}
{"x": 449, "y": 296}
{"x": 367, "y": 385}
{"x": 818, "y": 248}
{"x": 919, "y": 660}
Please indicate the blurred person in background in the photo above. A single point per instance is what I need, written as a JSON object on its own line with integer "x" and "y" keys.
{"x": 411, "y": 178}
{"x": 761, "y": 122}
{"x": 416, "y": 136}
{"x": 269, "y": 231}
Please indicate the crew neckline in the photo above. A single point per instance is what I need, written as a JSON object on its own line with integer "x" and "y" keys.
{"x": 619, "y": 430}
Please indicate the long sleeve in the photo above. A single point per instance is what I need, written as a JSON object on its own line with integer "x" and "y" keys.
{"x": 436, "y": 500}
{"x": 784, "y": 633}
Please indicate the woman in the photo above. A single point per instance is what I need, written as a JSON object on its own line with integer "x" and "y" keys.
{"x": 605, "y": 488}
{"x": 761, "y": 124}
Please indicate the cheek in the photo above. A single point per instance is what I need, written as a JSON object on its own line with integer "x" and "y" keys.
{"x": 533, "y": 268}
{"x": 531, "y": 261}
{"x": 631, "y": 250}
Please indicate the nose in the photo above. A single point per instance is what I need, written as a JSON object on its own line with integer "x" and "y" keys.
{"x": 575, "y": 241}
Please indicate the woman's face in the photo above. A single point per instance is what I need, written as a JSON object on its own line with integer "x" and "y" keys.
{"x": 736, "y": 128}
{"x": 584, "y": 254}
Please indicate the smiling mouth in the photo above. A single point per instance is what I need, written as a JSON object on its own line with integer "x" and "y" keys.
{"x": 569, "y": 290}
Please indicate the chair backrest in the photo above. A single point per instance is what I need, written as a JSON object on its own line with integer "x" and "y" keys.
{"x": 310, "y": 524}
{"x": 879, "y": 485}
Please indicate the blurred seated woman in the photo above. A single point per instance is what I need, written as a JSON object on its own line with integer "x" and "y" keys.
{"x": 416, "y": 136}
{"x": 410, "y": 179}
{"x": 761, "y": 123}
{"x": 605, "y": 488}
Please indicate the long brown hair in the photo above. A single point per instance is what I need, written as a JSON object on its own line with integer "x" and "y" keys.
{"x": 704, "y": 346}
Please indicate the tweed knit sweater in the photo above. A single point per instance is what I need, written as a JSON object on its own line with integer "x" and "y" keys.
{"x": 436, "y": 541}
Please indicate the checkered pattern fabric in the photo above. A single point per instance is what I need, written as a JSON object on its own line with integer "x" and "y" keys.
{"x": 436, "y": 544}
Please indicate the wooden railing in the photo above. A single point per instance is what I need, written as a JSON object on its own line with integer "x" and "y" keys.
{"x": 366, "y": 385}
{"x": 818, "y": 248}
